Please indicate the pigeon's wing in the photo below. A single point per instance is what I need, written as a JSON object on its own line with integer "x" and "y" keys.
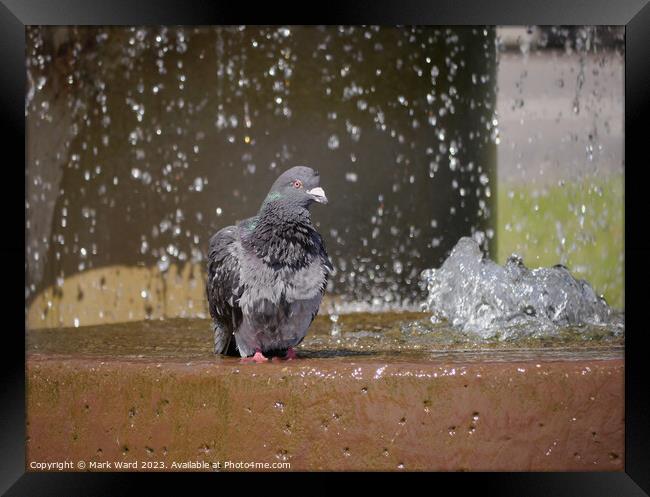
{"x": 325, "y": 260}
{"x": 223, "y": 289}
{"x": 326, "y": 264}
{"x": 327, "y": 268}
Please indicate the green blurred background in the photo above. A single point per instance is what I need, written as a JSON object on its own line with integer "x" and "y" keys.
{"x": 560, "y": 195}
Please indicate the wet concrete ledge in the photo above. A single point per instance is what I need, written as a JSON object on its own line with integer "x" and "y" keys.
{"x": 360, "y": 413}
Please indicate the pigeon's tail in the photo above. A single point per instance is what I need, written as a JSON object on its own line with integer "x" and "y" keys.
{"x": 224, "y": 341}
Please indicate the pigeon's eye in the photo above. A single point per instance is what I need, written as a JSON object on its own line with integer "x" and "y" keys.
{"x": 297, "y": 184}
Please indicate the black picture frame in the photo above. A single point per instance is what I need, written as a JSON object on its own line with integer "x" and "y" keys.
{"x": 634, "y": 14}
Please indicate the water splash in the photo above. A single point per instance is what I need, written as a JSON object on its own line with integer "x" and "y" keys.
{"x": 199, "y": 121}
{"x": 479, "y": 296}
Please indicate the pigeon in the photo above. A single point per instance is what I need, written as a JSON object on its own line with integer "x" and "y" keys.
{"x": 267, "y": 274}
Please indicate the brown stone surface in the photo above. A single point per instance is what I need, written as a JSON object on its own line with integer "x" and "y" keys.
{"x": 331, "y": 413}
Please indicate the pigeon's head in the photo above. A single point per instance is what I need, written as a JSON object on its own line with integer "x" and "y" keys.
{"x": 298, "y": 186}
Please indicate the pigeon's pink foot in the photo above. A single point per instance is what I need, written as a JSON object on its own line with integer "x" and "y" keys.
{"x": 258, "y": 357}
{"x": 291, "y": 354}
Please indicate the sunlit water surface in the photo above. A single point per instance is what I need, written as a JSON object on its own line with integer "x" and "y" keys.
{"x": 396, "y": 336}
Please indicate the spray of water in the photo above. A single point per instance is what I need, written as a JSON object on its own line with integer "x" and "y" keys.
{"x": 481, "y": 297}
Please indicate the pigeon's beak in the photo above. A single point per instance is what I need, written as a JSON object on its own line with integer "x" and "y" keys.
{"x": 318, "y": 194}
